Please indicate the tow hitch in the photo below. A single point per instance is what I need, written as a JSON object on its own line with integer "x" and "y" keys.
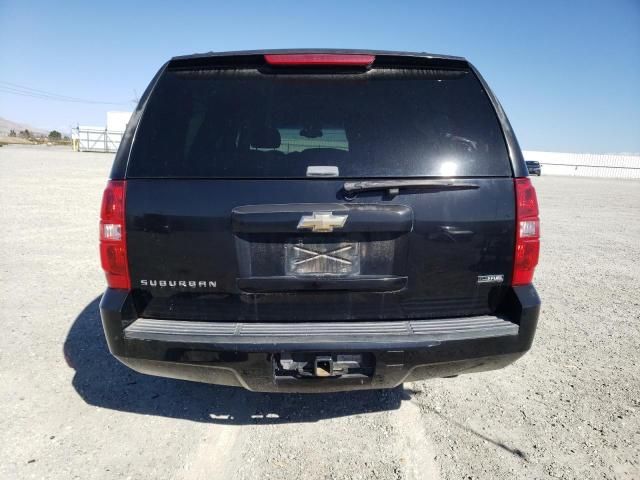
{"x": 309, "y": 365}
{"x": 324, "y": 367}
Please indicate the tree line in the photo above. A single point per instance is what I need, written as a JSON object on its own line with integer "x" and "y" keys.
{"x": 53, "y": 135}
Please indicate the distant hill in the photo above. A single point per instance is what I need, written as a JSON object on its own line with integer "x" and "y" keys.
{"x": 7, "y": 125}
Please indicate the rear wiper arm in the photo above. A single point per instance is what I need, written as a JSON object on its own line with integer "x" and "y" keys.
{"x": 393, "y": 186}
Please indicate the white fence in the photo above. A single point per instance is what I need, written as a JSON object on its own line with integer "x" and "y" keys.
{"x": 96, "y": 140}
{"x": 587, "y": 164}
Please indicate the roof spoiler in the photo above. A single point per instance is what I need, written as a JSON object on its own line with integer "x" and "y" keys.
{"x": 313, "y": 58}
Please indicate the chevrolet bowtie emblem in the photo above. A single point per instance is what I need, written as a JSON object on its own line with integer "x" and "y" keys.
{"x": 322, "y": 221}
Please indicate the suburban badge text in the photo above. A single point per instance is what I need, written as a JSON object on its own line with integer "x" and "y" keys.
{"x": 178, "y": 283}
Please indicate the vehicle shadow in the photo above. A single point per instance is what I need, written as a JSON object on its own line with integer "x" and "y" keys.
{"x": 104, "y": 382}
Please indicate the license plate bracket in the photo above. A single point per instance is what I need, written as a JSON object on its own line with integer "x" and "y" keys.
{"x": 330, "y": 258}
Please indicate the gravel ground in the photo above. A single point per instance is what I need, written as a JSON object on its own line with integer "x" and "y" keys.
{"x": 568, "y": 409}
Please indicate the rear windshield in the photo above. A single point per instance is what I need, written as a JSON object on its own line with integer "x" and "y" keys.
{"x": 384, "y": 123}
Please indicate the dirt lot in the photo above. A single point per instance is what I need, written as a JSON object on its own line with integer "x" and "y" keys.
{"x": 568, "y": 409}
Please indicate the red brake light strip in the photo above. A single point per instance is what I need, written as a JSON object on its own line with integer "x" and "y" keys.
{"x": 319, "y": 59}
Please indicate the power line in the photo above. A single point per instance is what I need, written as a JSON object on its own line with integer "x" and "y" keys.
{"x": 45, "y": 97}
{"x": 17, "y": 89}
{"x": 31, "y": 94}
{"x": 21, "y": 89}
{"x": 25, "y": 89}
{"x": 50, "y": 97}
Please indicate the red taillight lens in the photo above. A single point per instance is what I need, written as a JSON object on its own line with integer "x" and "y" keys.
{"x": 113, "y": 240}
{"x": 319, "y": 59}
{"x": 527, "y": 232}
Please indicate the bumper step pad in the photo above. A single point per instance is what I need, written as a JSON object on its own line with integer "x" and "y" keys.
{"x": 231, "y": 332}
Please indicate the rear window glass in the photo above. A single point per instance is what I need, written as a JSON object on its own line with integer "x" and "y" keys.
{"x": 384, "y": 123}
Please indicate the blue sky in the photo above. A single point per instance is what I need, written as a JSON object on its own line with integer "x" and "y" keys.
{"x": 567, "y": 72}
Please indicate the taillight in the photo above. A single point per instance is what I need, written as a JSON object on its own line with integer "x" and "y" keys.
{"x": 113, "y": 239}
{"x": 527, "y": 232}
{"x": 319, "y": 59}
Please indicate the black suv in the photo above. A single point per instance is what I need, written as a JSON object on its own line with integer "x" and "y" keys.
{"x": 318, "y": 220}
{"x": 533, "y": 167}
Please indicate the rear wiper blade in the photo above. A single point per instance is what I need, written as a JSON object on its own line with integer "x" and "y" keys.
{"x": 393, "y": 186}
